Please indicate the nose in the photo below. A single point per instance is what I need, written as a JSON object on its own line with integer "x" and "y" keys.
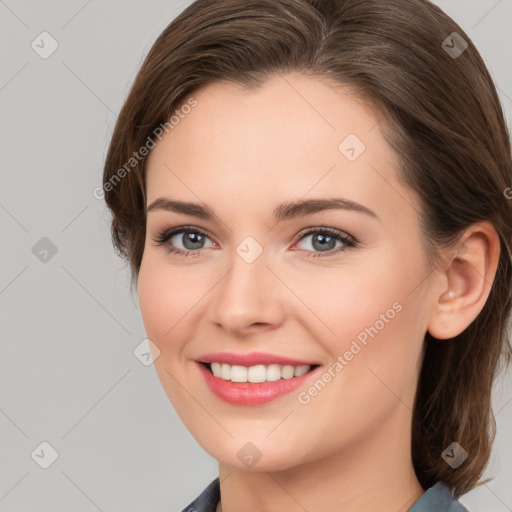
{"x": 248, "y": 298}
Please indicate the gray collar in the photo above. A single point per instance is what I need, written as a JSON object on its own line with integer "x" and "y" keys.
{"x": 435, "y": 499}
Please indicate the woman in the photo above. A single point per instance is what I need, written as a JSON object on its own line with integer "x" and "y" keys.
{"x": 312, "y": 197}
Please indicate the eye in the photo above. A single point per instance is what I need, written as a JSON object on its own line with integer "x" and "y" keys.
{"x": 192, "y": 239}
{"x": 186, "y": 240}
{"x": 325, "y": 240}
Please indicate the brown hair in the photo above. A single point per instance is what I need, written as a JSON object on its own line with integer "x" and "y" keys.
{"x": 443, "y": 119}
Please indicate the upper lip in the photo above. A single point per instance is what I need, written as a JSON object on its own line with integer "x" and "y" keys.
{"x": 251, "y": 359}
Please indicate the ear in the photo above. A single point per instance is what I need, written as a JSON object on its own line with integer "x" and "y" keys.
{"x": 465, "y": 281}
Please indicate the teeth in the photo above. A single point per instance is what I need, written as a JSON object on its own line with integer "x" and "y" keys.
{"x": 258, "y": 373}
{"x": 255, "y": 373}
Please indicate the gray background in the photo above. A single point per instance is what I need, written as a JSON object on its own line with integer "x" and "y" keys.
{"x": 69, "y": 325}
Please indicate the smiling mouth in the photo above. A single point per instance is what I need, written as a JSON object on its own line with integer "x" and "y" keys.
{"x": 257, "y": 373}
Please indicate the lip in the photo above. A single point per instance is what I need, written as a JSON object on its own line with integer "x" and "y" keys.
{"x": 251, "y": 359}
{"x": 251, "y": 394}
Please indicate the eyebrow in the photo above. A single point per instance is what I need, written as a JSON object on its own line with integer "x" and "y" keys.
{"x": 283, "y": 212}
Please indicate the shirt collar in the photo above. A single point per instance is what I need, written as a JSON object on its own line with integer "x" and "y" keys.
{"x": 436, "y": 499}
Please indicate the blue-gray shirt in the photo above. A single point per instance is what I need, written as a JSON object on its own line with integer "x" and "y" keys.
{"x": 435, "y": 499}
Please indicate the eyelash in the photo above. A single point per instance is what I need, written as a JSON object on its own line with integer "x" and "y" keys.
{"x": 348, "y": 242}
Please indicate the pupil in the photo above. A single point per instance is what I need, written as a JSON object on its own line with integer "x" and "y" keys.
{"x": 325, "y": 242}
{"x": 193, "y": 238}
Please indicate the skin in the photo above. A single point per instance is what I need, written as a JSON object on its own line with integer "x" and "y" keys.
{"x": 243, "y": 153}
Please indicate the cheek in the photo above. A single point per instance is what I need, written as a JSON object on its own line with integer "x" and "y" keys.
{"x": 153, "y": 301}
{"x": 369, "y": 318}
{"x": 340, "y": 303}
{"x": 164, "y": 304}
{"x": 164, "y": 300}
{"x": 380, "y": 355}
{"x": 168, "y": 291}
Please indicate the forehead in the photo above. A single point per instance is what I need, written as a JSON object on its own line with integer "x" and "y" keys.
{"x": 292, "y": 136}
{"x": 282, "y": 114}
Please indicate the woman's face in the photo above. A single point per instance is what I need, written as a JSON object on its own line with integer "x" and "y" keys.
{"x": 261, "y": 276}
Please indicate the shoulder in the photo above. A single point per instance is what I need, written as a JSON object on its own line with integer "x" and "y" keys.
{"x": 438, "y": 499}
{"x": 207, "y": 501}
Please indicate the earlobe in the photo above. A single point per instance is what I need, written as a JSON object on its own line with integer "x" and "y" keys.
{"x": 467, "y": 281}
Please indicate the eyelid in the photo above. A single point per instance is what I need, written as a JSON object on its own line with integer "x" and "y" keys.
{"x": 179, "y": 229}
{"x": 324, "y": 229}
{"x": 305, "y": 232}
{"x": 163, "y": 235}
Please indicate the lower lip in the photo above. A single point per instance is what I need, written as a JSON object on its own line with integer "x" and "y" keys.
{"x": 248, "y": 393}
